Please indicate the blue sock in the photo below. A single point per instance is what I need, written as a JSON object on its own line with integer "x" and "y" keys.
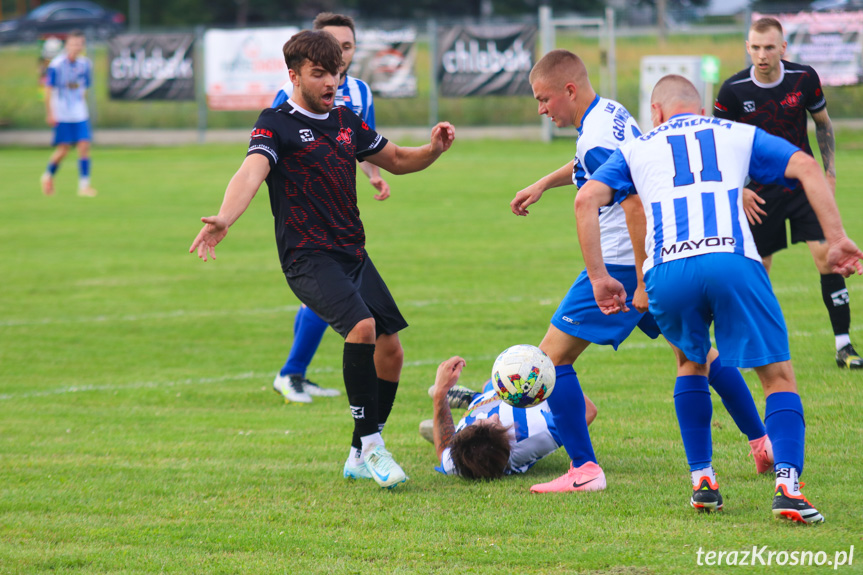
{"x": 694, "y": 410}
{"x": 786, "y": 428}
{"x": 308, "y": 331}
{"x": 567, "y": 408}
{"x": 737, "y": 399}
{"x": 84, "y": 167}
{"x": 52, "y": 168}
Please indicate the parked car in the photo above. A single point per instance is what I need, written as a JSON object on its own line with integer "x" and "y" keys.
{"x": 61, "y": 18}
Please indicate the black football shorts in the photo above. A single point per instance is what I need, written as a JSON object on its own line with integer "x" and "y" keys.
{"x": 343, "y": 291}
{"x": 784, "y": 204}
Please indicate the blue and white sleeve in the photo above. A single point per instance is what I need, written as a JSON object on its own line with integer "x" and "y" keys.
{"x": 770, "y": 156}
{"x": 616, "y": 175}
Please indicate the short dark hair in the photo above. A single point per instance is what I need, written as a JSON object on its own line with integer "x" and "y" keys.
{"x": 762, "y": 25}
{"x": 316, "y": 46}
{"x": 329, "y": 19}
{"x": 481, "y": 451}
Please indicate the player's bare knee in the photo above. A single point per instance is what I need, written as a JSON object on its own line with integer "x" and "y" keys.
{"x": 362, "y": 332}
{"x": 562, "y": 348}
{"x": 777, "y": 377}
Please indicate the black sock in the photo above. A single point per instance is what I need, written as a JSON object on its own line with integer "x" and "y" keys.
{"x": 386, "y": 399}
{"x": 361, "y": 384}
{"x": 835, "y": 296}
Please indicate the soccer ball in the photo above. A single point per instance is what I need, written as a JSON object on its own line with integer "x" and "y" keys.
{"x": 523, "y": 376}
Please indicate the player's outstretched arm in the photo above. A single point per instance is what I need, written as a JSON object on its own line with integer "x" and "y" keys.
{"x": 843, "y": 254}
{"x": 241, "y": 189}
{"x": 448, "y": 373}
{"x": 531, "y": 194}
{"x": 636, "y": 222}
{"x": 609, "y": 293}
{"x": 403, "y": 160}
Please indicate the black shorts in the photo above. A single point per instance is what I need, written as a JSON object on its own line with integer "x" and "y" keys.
{"x": 344, "y": 291}
{"x": 770, "y": 235}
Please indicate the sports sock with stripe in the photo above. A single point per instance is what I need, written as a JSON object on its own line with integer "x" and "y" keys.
{"x": 736, "y": 398}
{"x": 386, "y": 398}
{"x": 694, "y": 411}
{"x": 361, "y": 385}
{"x": 567, "y": 409}
{"x": 835, "y": 296}
{"x": 786, "y": 427}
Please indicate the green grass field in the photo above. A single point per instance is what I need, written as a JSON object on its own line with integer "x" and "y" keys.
{"x": 139, "y": 432}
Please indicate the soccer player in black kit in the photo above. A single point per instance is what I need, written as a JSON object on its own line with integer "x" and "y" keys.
{"x": 774, "y": 95}
{"x": 306, "y": 150}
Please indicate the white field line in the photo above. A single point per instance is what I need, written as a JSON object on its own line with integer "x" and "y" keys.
{"x": 265, "y": 377}
{"x": 182, "y": 314}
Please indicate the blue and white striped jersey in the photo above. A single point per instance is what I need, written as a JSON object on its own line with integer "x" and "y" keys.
{"x": 689, "y": 174}
{"x": 69, "y": 80}
{"x": 532, "y": 431}
{"x": 606, "y": 126}
{"x": 352, "y": 93}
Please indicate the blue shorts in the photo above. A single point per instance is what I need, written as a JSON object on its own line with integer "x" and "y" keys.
{"x": 728, "y": 290}
{"x": 580, "y": 316}
{"x": 71, "y": 133}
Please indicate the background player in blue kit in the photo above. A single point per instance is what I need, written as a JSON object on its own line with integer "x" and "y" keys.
{"x": 775, "y": 95}
{"x": 562, "y": 87}
{"x": 68, "y": 77}
{"x": 291, "y": 381}
{"x": 306, "y": 150}
{"x": 702, "y": 267}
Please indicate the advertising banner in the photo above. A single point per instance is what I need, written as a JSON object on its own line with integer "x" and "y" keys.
{"x": 151, "y": 67}
{"x": 830, "y": 42}
{"x": 485, "y": 60}
{"x": 386, "y": 61}
{"x": 245, "y": 68}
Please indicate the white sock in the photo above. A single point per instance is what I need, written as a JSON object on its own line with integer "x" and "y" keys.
{"x": 355, "y": 457}
{"x": 704, "y": 472}
{"x": 369, "y": 441}
{"x": 787, "y": 476}
{"x": 83, "y": 183}
{"x": 842, "y": 341}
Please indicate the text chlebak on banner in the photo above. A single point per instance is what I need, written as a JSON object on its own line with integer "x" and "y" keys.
{"x": 386, "y": 61}
{"x": 830, "y": 42}
{"x": 151, "y": 67}
{"x": 485, "y": 60}
{"x": 245, "y": 68}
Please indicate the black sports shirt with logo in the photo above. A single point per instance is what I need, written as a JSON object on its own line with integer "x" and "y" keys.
{"x": 313, "y": 178}
{"x": 779, "y": 108}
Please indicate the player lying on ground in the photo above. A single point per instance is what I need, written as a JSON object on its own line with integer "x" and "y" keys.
{"x": 493, "y": 438}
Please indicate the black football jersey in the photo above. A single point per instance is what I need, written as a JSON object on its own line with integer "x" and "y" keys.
{"x": 779, "y": 108}
{"x": 313, "y": 177}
